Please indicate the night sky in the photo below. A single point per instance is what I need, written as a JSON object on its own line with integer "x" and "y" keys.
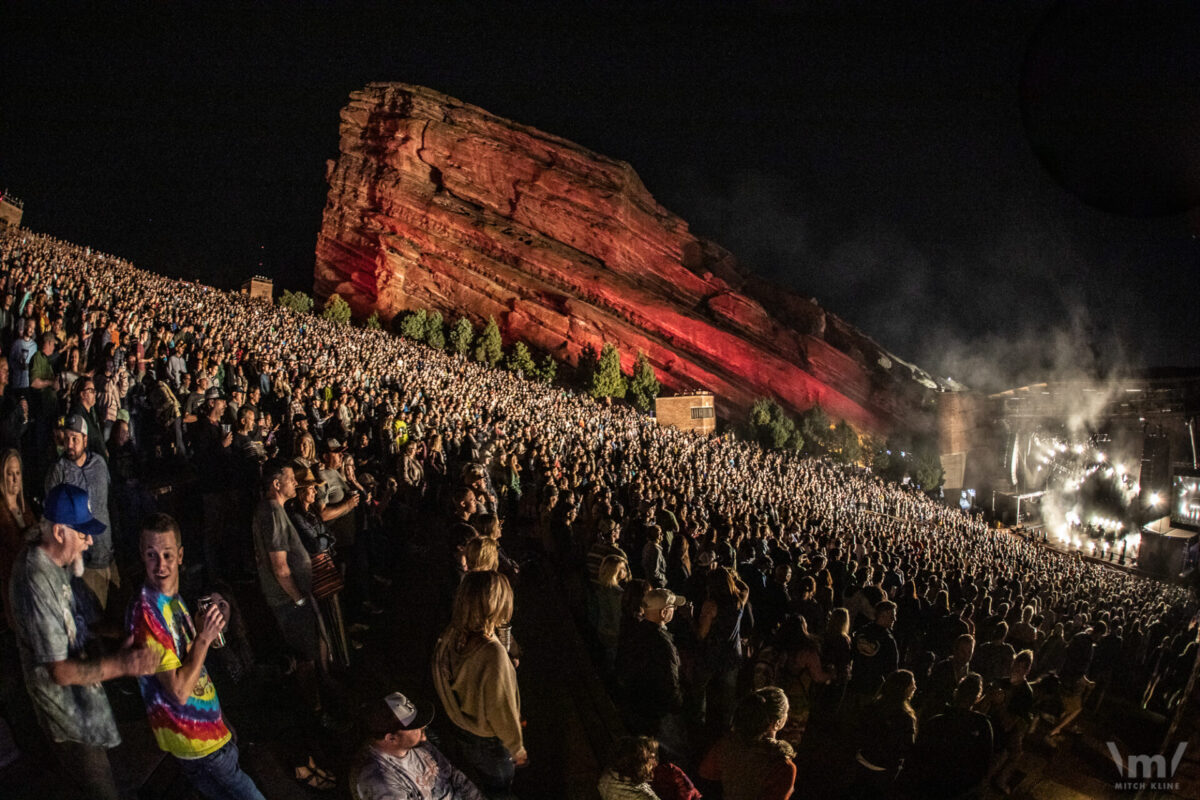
{"x": 870, "y": 155}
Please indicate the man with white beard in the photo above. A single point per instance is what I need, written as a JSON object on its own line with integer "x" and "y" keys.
{"x": 62, "y": 675}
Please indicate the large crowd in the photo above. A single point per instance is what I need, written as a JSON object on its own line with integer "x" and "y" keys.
{"x": 744, "y": 606}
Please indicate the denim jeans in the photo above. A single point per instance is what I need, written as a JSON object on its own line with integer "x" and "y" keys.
{"x": 217, "y": 776}
{"x": 487, "y": 760}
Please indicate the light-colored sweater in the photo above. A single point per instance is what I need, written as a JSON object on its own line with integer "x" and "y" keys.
{"x": 478, "y": 688}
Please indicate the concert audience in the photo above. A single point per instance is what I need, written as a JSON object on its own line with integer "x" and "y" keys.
{"x": 769, "y": 546}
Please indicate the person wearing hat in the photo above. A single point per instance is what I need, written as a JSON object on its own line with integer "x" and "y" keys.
{"x": 84, "y": 405}
{"x": 648, "y": 666}
{"x": 80, "y": 467}
{"x": 62, "y": 676}
{"x": 237, "y": 396}
{"x": 398, "y": 761}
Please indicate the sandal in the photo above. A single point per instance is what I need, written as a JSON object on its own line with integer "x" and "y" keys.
{"x": 314, "y": 777}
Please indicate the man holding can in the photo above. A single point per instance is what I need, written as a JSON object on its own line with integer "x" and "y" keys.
{"x": 180, "y": 698}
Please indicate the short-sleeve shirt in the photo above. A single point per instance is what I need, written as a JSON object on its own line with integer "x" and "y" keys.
{"x": 195, "y": 729}
{"x": 274, "y": 532}
{"x": 45, "y": 403}
{"x": 22, "y": 351}
{"x": 50, "y": 628}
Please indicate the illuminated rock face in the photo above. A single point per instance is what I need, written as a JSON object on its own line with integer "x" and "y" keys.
{"x": 437, "y": 204}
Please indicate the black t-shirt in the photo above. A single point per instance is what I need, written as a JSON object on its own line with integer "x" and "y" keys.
{"x": 212, "y": 460}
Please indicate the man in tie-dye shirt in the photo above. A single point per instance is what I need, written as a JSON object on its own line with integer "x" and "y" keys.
{"x": 181, "y": 700}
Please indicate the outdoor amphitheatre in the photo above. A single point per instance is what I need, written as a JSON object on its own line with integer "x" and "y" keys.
{"x": 423, "y": 534}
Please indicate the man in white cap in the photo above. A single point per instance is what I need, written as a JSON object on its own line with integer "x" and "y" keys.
{"x": 398, "y": 762}
{"x": 648, "y": 665}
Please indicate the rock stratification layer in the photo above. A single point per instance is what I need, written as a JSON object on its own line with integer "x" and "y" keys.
{"x": 437, "y": 204}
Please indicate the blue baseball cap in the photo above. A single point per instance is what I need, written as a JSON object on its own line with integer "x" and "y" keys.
{"x": 68, "y": 505}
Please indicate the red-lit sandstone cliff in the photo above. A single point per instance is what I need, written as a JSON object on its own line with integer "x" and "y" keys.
{"x": 434, "y": 203}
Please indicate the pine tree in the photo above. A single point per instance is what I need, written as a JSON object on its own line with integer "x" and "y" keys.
{"x": 815, "y": 427}
{"x": 607, "y": 381}
{"x": 845, "y": 444}
{"x": 435, "y": 330}
{"x": 336, "y": 309}
{"x": 643, "y": 385}
{"x": 548, "y": 369}
{"x": 461, "y": 336}
{"x": 372, "y": 323}
{"x": 519, "y": 360}
{"x": 489, "y": 349}
{"x": 296, "y": 301}
{"x": 770, "y": 425}
{"x": 414, "y": 324}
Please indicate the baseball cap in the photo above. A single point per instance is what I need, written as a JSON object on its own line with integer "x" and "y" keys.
{"x": 334, "y": 446}
{"x": 305, "y": 476}
{"x": 212, "y": 393}
{"x": 658, "y": 599}
{"x": 76, "y": 423}
{"x": 68, "y": 505}
{"x": 396, "y": 712}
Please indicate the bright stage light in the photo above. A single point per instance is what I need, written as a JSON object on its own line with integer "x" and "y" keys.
{"x": 1155, "y": 499}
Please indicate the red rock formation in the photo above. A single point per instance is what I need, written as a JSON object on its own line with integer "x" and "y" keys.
{"x": 437, "y": 204}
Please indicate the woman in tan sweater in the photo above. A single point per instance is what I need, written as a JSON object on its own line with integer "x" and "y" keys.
{"x": 477, "y": 683}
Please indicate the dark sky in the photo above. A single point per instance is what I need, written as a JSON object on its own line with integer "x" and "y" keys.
{"x": 869, "y": 154}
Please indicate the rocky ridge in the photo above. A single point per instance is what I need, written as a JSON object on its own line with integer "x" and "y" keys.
{"x": 434, "y": 203}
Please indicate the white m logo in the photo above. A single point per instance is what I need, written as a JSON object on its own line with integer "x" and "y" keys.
{"x": 1146, "y": 767}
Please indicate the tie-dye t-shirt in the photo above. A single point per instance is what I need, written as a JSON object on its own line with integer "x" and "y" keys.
{"x": 193, "y": 730}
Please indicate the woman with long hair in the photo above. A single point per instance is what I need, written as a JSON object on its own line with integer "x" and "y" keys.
{"x": 808, "y": 607}
{"x": 719, "y": 632}
{"x": 613, "y": 574}
{"x": 512, "y": 480}
{"x": 679, "y": 563}
{"x": 16, "y": 517}
{"x": 317, "y": 539}
{"x": 435, "y": 469}
{"x": 791, "y": 660}
{"x": 477, "y": 683}
{"x": 72, "y": 371}
{"x": 836, "y": 654}
{"x": 481, "y": 554}
{"x": 306, "y": 451}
